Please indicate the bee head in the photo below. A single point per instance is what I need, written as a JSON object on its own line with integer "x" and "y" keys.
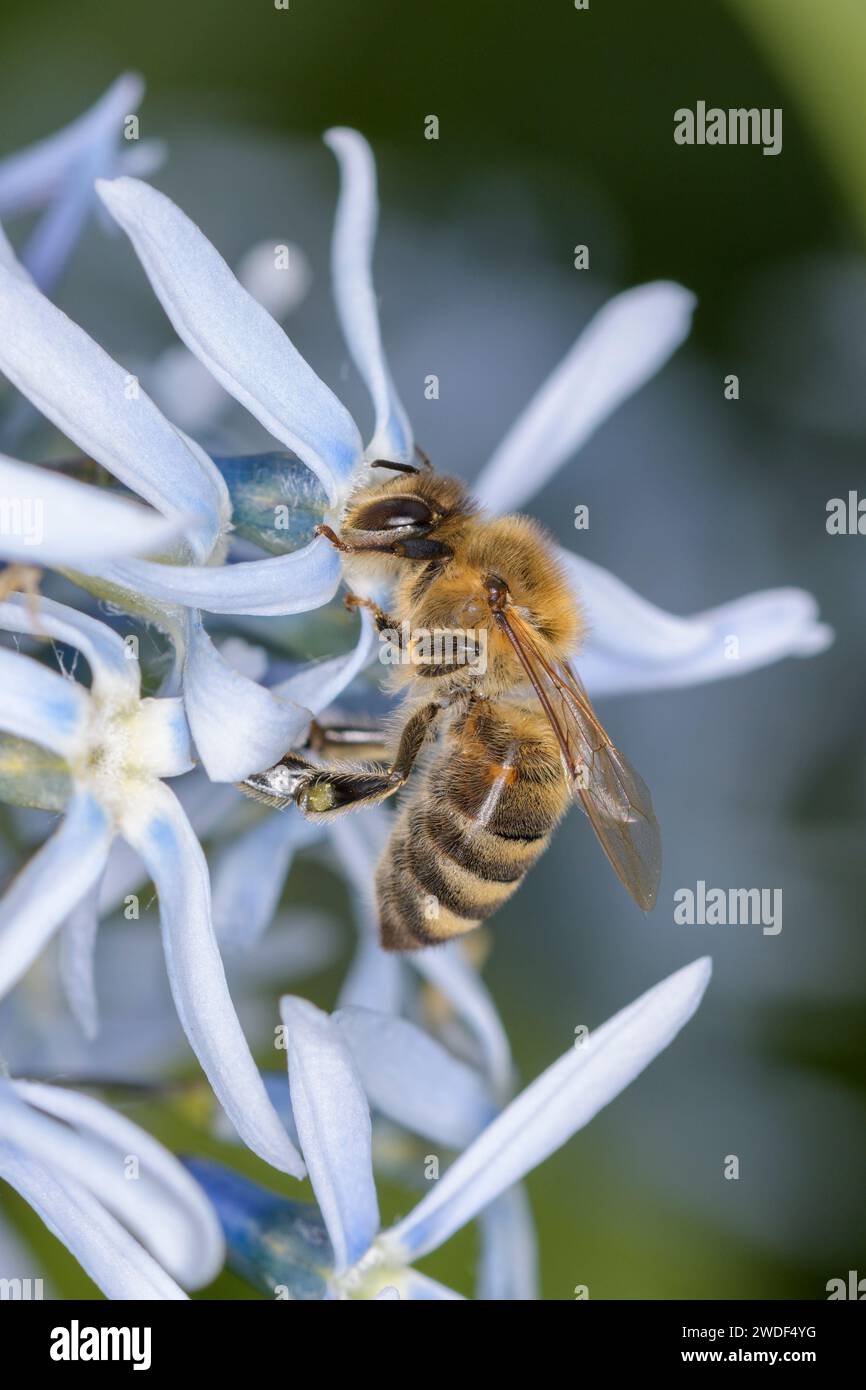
{"x": 403, "y": 514}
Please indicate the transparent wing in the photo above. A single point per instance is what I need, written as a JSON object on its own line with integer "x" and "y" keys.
{"x": 614, "y": 797}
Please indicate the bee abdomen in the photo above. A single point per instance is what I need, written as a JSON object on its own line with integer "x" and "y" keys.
{"x": 424, "y": 895}
{"x": 465, "y": 841}
{"x": 488, "y": 855}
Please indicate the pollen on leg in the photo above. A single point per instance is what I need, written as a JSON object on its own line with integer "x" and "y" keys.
{"x": 319, "y": 797}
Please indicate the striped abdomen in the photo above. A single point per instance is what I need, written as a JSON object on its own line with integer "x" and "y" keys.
{"x": 477, "y": 820}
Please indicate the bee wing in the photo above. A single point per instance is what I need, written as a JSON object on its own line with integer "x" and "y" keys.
{"x": 614, "y": 797}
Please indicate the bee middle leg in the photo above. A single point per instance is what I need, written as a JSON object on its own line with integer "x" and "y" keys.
{"x": 321, "y": 793}
{"x": 329, "y": 741}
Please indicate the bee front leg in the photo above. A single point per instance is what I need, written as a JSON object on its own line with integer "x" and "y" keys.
{"x": 384, "y": 622}
{"x": 409, "y": 548}
{"x": 323, "y": 793}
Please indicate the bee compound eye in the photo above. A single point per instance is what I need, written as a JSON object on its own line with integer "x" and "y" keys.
{"x": 392, "y": 514}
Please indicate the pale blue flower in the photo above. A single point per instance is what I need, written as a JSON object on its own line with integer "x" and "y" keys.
{"x": 341, "y": 1252}
{"x": 50, "y": 520}
{"x": 90, "y": 399}
{"x": 95, "y": 403}
{"x": 57, "y": 174}
{"x": 122, "y": 1204}
{"x": 632, "y": 644}
{"x": 378, "y": 989}
{"x": 414, "y": 1081}
{"x": 114, "y": 749}
{"x": 181, "y": 385}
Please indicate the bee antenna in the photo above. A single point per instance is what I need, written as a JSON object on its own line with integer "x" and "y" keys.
{"x": 397, "y": 467}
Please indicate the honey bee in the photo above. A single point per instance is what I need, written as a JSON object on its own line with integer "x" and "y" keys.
{"x": 507, "y": 742}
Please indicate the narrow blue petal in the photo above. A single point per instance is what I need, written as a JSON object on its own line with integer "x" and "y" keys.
{"x": 115, "y": 1261}
{"x": 31, "y": 176}
{"x": 632, "y": 645}
{"x": 89, "y": 1142}
{"x": 352, "y": 273}
{"x": 50, "y": 885}
{"x": 553, "y": 1107}
{"x": 626, "y": 343}
{"x": 293, "y": 583}
{"x": 62, "y": 522}
{"x": 233, "y": 335}
{"x": 58, "y": 230}
{"x": 250, "y": 874}
{"x": 163, "y": 836}
{"x": 508, "y": 1264}
{"x": 77, "y": 949}
{"x": 113, "y": 669}
{"x": 333, "y": 1121}
{"x": 414, "y": 1080}
{"x": 100, "y": 407}
{"x": 264, "y": 724}
{"x": 40, "y": 705}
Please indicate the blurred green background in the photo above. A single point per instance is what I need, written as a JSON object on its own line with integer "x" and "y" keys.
{"x": 556, "y": 128}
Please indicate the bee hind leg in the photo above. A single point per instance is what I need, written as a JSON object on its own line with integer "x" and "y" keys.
{"x": 328, "y": 793}
{"x": 322, "y": 793}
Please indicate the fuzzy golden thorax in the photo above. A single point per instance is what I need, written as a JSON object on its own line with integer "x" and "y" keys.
{"x": 453, "y": 595}
{"x": 424, "y": 532}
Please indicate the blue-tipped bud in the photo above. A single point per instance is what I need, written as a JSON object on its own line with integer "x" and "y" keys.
{"x": 279, "y": 1246}
{"x": 276, "y": 500}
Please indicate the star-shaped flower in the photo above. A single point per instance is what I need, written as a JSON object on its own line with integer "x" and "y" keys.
{"x": 102, "y": 409}
{"x": 112, "y": 748}
{"x": 340, "y": 1251}
{"x": 633, "y": 645}
{"x": 121, "y": 1203}
{"x": 56, "y": 174}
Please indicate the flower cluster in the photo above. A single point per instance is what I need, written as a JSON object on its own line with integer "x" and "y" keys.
{"x": 175, "y": 533}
